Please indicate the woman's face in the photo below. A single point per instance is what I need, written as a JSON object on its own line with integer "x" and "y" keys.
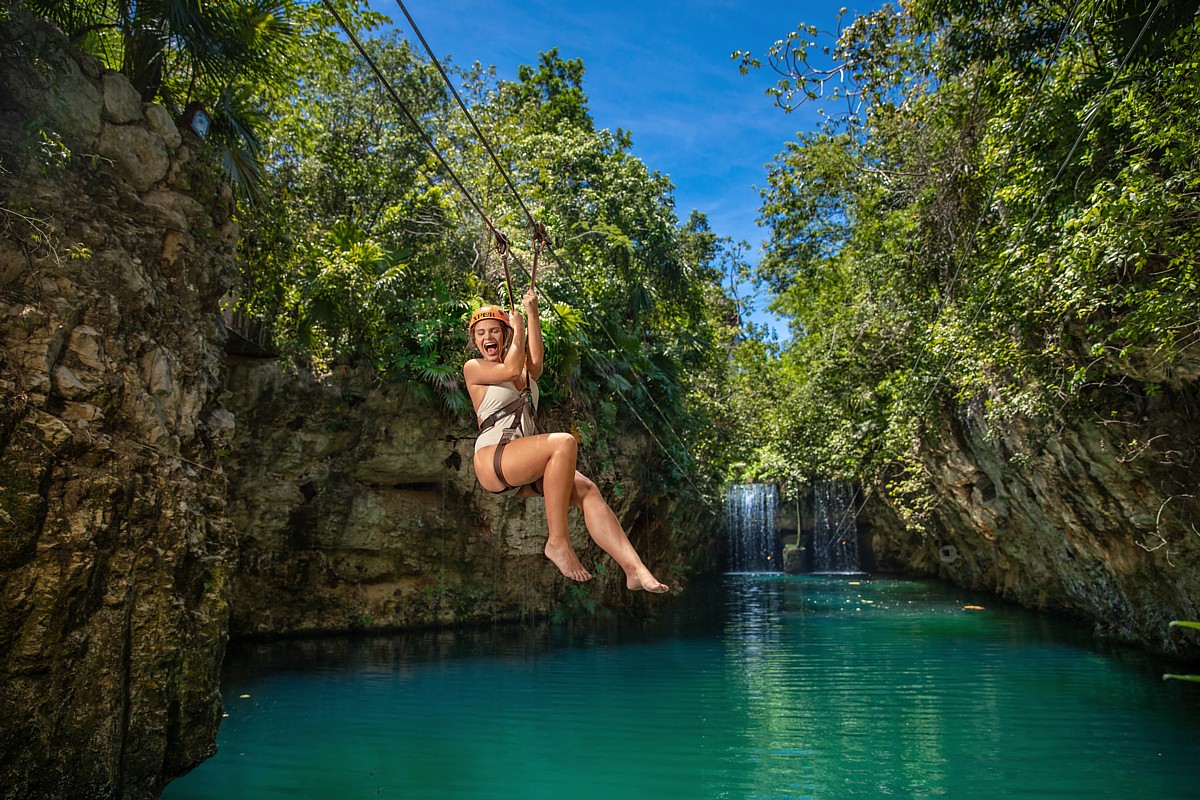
{"x": 489, "y": 337}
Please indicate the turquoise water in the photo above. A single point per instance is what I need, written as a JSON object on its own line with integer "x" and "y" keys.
{"x": 753, "y": 686}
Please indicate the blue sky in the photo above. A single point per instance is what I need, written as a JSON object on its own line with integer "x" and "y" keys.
{"x": 660, "y": 69}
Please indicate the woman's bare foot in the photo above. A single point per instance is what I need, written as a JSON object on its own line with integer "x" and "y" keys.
{"x": 567, "y": 562}
{"x": 643, "y": 580}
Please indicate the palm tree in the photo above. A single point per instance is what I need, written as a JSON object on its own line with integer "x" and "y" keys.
{"x": 221, "y": 53}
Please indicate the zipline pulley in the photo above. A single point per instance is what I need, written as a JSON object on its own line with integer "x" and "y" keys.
{"x": 502, "y": 246}
{"x": 541, "y": 238}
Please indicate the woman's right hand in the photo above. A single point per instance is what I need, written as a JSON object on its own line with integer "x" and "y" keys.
{"x": 530, "y": 302}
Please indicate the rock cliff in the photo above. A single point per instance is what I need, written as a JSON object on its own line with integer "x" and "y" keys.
{"x": 357, "y": 509}
{"x": 1093, "y": 514}
{"x": 116, "y": 551}
{"x": 149, "y": 483}
{"x": 156, "y": 494}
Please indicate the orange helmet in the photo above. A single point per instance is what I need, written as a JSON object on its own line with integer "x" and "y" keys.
{"x": 488, "y": 312}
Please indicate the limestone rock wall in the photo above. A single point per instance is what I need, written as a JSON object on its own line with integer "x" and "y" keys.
{"x": 357, "y": 509}
{"x": 1095, "y": 515}
{"x": 115, "y": 550}
{"x": 148, "y": 485}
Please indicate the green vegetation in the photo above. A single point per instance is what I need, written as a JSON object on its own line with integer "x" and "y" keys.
{"x": 220, "y": 55}
{"x": 999, "y": 213}
{"x": 360, "y": 248}
{"x": 364, "y": 252}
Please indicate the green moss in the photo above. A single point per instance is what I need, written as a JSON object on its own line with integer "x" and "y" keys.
{"x": 24, "y": 458}
{"x": 20, "y": 505}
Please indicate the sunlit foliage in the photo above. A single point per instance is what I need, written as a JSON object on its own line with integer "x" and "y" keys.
{"x": 367, "y": 251}
{"x": 1001, "y": 207}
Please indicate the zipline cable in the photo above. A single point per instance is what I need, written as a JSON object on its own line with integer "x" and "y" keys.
{"x": 501, "y": 241}
{"x": 1089, "y": 118}
{"x": 537, "y": 228}
{"x": 497, "y": 234}
{"x": 411, "y": 118}
{"x": 483, "y": 139}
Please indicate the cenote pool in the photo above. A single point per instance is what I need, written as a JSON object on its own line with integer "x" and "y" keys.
{"x": 752, "y": 686}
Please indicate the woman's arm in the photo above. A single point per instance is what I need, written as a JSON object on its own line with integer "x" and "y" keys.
{"x": 534, "y": 361}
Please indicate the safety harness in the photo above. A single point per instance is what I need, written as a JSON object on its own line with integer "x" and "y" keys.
{"x": 514, "y": 409}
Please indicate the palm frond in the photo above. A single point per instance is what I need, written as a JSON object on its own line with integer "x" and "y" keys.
{"x": 457, "y": 401}
{"x": 444, "y": 376}
{"x": 618, "y": 382}
{"x": 245, "y": 172}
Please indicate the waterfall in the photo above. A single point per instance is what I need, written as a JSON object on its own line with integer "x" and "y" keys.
{"x": 750, "y": 526}
{"x": 835, "y": 532}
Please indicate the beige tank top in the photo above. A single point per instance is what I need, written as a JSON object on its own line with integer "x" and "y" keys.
{"x": 499, "y": 395}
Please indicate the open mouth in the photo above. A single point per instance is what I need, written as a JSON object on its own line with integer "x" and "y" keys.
{"x": 491, "y": 348}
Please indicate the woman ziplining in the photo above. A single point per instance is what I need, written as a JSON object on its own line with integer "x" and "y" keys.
{"x": 513, "y": 457}
{"x": 521, "y": 458}
{"x": 539, "y": 232}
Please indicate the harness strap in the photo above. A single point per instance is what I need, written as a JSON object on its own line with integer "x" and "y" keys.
{"x": 512, "y": 408}
{"x": 537, "y": 485}
{"x": 506, "y": 437}
{"x": 496, "y": 459}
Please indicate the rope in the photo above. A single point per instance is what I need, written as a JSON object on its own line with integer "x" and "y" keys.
{"x": 503, "y": 248}
{"x": 411, "y": 118}
{"x": 538, "y": 228}
{"x": 534, "y": 224}
{"x": 483, "y": 139}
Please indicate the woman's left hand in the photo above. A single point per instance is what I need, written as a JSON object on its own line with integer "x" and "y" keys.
{"x": 529, "y": 301}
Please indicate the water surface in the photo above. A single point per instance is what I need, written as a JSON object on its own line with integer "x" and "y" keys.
{"x": 753, "y": 686}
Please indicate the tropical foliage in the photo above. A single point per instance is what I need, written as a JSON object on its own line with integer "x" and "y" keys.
{"x": 222, "y": 56}
{"x": 370, "y": 249}
{"x": 372, "y": 197}
{"x": 1000, "y": 209}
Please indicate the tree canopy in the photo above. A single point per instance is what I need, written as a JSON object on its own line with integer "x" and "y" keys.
{"x": 366, "y": 251}
{"x": 1000, "y": 208}
{"x": 227, "y": 57}
{"x": 368, "y": 203}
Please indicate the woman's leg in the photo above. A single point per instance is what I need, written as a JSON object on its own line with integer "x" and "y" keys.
{"x": 605, "y": 529}
{"x": 551, "y": 457}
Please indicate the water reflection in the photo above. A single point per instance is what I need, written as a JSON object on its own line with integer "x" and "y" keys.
{"x": 753, "y": 686}
{"x": 860, "y": 688}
